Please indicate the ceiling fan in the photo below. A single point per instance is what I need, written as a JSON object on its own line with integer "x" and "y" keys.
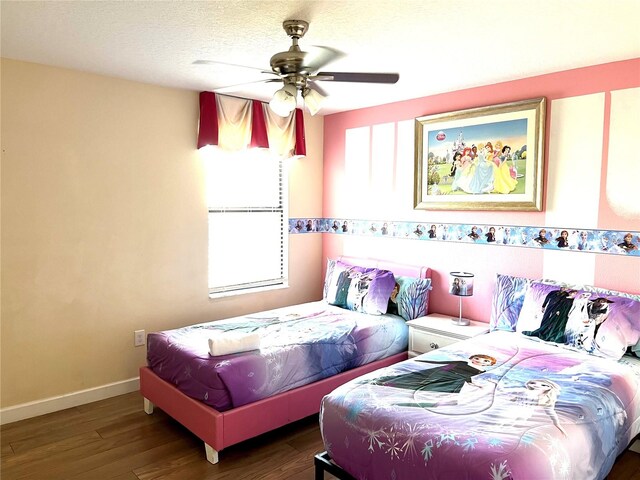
{"x": 299, "y": 71}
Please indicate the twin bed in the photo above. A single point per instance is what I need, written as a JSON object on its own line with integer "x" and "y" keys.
{"x": 305, "y": 352}
{"x": 529, "y": 400}
{"x": 552, "y": 392}
{"x": 538, "y": 413}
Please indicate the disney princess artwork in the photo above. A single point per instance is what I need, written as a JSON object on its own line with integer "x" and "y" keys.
{"x": 479, "y": 163}
{"x": 495, "y": 168}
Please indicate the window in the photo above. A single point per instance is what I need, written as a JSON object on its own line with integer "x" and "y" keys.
{"x": 246, "y": 193}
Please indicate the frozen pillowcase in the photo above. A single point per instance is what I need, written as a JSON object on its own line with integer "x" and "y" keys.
{"x": 508, "y": 298}
{"x": 337, "y": 282}
{"x": 589, "y": 321}
{"x": 617, "y": 324}
{"x": 365, "y": 290}
{"x": 591, "y": 288}
{"x": 369, "y": 291}
{"x": 331, "y": 263}
{"x": 410, "y": 297}
{"x": 545, "y": 311}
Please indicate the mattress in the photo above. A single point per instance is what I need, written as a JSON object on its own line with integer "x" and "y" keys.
{"x": 540, "y": 411}
{"x": 299, "y": 345}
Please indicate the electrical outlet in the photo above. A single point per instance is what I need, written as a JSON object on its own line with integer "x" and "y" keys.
{"x": 139, "y": 338}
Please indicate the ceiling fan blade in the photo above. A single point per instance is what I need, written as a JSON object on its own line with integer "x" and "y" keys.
{"x": 319, "y": 56}
{"x": 215, "y": 62}
{"x": 318, "y": 88}
{"x": 360, "y": 77}
{"x": 240, "y": 86}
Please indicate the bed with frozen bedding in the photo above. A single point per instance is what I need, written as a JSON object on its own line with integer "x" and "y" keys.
{"x": 553, "y": 392}
{"x": 297, "y": 345}
{"x": 233, "y": 379}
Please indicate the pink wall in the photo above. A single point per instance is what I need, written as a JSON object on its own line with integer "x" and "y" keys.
{"x": 609, "y": 271}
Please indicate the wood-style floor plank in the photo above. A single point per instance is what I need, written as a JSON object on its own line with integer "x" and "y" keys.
{"x": 125, "y": 476}
{"x": 115, "y": 440}
{"x": 56, "y": 428}
{"x": 170, "y": 466}
{"x": 627, "y": 467}
{"x": 50, "y": 449}
{"x": 6, "y": 451}
{"x": 123, "y": 464}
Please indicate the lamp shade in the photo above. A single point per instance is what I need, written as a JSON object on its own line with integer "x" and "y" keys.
{"x": 461, "y": 284}
{"x": 284, "y": 100}
{"x": 313, "y": 100}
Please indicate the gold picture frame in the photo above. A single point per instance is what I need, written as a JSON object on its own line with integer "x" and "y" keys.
{"x": 487, "y": 158}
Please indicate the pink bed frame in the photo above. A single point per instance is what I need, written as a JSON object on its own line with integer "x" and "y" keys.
{"x": 219, "y": 430}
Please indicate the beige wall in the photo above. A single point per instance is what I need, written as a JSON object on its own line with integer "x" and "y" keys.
{"x": 104, "y": 227}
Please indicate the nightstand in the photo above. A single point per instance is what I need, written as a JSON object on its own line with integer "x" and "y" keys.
{"x": 436, "y": 330}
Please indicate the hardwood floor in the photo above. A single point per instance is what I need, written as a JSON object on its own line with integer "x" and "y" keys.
{"x": 115, "y": 439}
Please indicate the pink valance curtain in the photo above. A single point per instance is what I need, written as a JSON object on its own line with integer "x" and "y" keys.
{"x": 234, "y": 123}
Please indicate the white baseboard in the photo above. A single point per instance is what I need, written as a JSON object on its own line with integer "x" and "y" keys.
{"x": 635, "y": 446}
{"x": 54, "y": 404}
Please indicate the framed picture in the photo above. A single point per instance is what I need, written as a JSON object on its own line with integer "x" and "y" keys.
{"x": 487, "y": 158}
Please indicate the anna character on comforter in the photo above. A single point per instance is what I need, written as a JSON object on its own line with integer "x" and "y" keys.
{"x": 450, "y": 377}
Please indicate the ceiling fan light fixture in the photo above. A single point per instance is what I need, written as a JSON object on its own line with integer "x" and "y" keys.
{"x": 295, "y": 68}
{"x": 284, "y": 100}
{"x": 313, "y": 100}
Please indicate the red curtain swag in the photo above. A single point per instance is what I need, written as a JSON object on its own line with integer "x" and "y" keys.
{"x": 209, "y": 128}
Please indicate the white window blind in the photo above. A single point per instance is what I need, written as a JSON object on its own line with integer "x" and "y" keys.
{"x": 246, "y": 193}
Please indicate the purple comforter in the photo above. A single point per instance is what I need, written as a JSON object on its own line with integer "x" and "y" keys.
{"x": 299, "y": 345}
{"x": 539, "y": 412}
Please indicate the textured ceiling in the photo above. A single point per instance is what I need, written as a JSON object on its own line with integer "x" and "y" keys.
{"x": 435, "y": 45}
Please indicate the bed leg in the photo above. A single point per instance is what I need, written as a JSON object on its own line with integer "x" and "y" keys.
{"x": 148, "y": 407}
{"x": 212, "y": 454}
{"x": 323, "y": 463}
{"x": 319, "y": 470}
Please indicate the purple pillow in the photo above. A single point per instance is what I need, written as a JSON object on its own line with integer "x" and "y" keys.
{"x": 594, "y": 322}
{"x": 338, "y": 281}
{"x": 369, "y": 291}
{"x": 365, "y": 290}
